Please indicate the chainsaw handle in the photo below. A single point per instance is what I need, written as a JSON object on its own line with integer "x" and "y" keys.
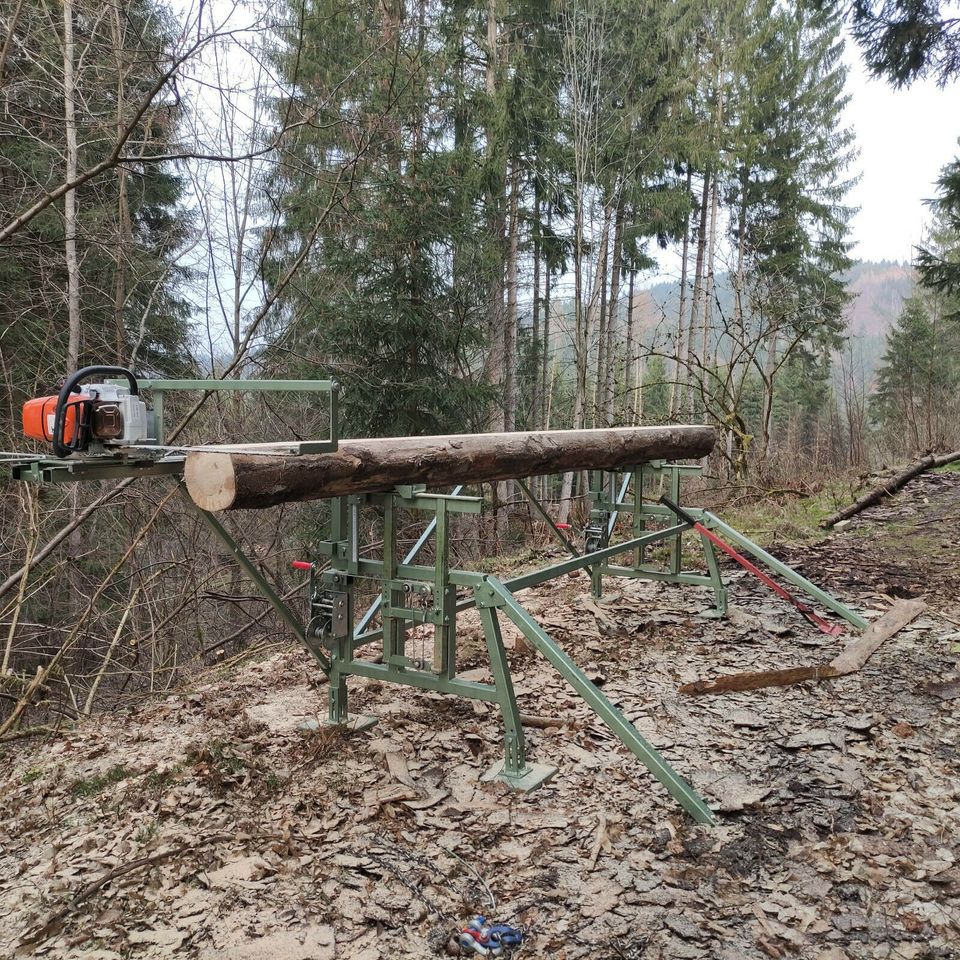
{"x": 60, "y": 447}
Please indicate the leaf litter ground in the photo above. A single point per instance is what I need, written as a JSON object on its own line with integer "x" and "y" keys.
{"x": 208, "y": 826}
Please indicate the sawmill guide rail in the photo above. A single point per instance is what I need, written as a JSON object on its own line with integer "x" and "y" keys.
{"x": 416, "y": 599}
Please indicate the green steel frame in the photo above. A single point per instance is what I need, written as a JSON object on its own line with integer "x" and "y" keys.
{"x": 159, "y": 389}
{"x": 412, "y": 594}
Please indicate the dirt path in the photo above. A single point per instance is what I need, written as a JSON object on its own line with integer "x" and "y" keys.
{"x": 226, "y": 833}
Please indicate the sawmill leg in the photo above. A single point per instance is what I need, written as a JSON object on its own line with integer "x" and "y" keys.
{"x": 788, "y": 573}
{"x": 719, "y": 589}
{"x": 272, "y": 597}
{"x": 494, "y": 594}
{"x": 338, "y": 713}
{"x": 514, "y": 770}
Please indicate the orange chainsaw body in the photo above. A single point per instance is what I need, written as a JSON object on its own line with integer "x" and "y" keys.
{"x": 38, "y": 415}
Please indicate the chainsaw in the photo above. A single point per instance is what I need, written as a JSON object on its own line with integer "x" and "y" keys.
{"x": 89, "y": 418}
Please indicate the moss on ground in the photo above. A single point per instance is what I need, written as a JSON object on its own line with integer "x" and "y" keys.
{"x": 787, "y": 519}
{"x": 91, "y": 786}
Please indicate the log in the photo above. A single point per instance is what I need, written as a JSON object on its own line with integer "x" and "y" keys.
{"x": 218, "y": 480}
{"x": 891, "y": 486}
{"x": 859, "y": 650}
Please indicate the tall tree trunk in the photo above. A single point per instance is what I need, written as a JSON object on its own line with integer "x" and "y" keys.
{"x": 602, "y": 339}
{"x": 697, "y": 290}
{"x": 596, "y": 310}
{"x": 736, "y": 459}
{"x": 680, "y": 376}
{"x": 706, "y": 350}
{"x": 507, "y": 489}
{"x": 613, "y": 325}
{"x": 510, "y": 326}
{"x": 766, "y": 413}
{"x": 537, "y": 348}
{"x": 632, "y": 355}
{"x": 546, "y": 375}
{"x": 546, "y": 383}
{"x": 70, "y": 197}
{"x": 124, "y": 231}
{"x": 122, "y": 245}
{"x": 706, "y": 347}
{"x": 496, "y": 221}
{"x": 638, "y": 392}
{"x": 75, "y": 548}
{"x": 739, "y": 275}
{"x": 11, "y": 32}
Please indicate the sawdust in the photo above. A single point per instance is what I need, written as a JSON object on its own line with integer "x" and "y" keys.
{"x": 237, "y": 835}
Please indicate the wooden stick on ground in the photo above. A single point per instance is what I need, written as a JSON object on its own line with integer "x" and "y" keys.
{"x": 890, "y": 487}
{"x": 853, "y": 656}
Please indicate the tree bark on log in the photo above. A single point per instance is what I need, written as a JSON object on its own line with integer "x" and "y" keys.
{"x": 890, "y": 487}
{"x": 218, "y": 480}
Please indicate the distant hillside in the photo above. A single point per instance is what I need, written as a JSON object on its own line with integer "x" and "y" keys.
{"x": 879, "y": 290}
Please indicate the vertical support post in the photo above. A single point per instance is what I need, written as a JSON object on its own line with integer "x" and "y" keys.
{"x": 444, "y": 599}
{"x": 394, "y": 634}
{"x": 639, "y": 517}
{"x": 719, "y": 589}
{"x": 596, "y": 535}
{"x": 345, "y": 546}
{"x": 514, "y": 751}
{"x": 389, "y": 573}
{"x": 158, "y": 416}
{"x": 676, "y": 543}
{"x": 514, "y": 770}
{"x": 338, "y": 706}
{"x": 334, "y": 413}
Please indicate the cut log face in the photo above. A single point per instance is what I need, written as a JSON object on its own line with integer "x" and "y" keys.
{"x": 244, "y": 480}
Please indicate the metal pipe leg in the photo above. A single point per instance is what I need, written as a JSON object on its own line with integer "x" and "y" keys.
{"x": 496, "y": 594}
{"x": 514, "y": 771}
{"x": 719, "y": 588}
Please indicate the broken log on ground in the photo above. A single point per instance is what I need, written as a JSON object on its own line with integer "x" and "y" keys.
{"x": 851, "y": 659}
{"x": 889, "y": 487}
{"x": 240, "y": 480}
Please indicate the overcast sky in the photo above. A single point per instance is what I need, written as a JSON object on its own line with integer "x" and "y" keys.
{"x": 905, "y": 137}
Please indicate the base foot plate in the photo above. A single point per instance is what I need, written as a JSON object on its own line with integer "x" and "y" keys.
{"x": 534, "y": 775}
{"x": 354, "y": 724}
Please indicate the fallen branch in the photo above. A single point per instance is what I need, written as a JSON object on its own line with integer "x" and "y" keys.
{"x": 891, "y": 486}
{"x": 851, "y": 659}
{"x": 541, "y": 723}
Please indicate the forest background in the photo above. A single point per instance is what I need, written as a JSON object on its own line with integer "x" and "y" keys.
{"x": 454, "y": 209}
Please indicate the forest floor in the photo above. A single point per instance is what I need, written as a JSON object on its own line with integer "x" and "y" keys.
{"x": 206, "y": 825}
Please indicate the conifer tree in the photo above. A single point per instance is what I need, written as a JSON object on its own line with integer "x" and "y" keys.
{"x": 388, "y": 300}
{"x": 130, "y": 224}
{"x": 794, "y": 221}
{"x": 919, "y": 376}
{"x": 938, "y": 261}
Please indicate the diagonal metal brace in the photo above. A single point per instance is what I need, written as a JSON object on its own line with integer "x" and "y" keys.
{"x": 271, "y": 595}
{"x": 495, "y": 593}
